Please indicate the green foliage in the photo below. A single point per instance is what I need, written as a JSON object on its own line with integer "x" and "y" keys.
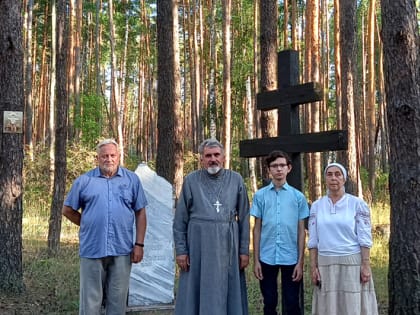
{"x": 191, "y": 162}
{"x": 132, "y": 161}
{"x": 382, "y": 187}
{"x": 36, "y": 182}
{"x": 381, "y": 193}
{"x": 80, "y": 159}
{"x": 89, "y": 122}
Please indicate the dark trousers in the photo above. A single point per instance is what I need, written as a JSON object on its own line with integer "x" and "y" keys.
{"x": 290, "y": 289}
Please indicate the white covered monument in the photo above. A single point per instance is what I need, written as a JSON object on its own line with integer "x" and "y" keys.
{"x": 152, "y": 280}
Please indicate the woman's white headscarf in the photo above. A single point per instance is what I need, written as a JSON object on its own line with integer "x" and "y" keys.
{"x": 341, "y": 167}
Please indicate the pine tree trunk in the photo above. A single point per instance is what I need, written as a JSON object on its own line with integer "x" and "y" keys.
{"x": 11, "y": 146}
{"x": 348, "y": 67}
{"x": 268, "y": 47}
{"x": 60, "y": 131}
{"x": 401, "y": 42}
{"x": 169, "y": 161}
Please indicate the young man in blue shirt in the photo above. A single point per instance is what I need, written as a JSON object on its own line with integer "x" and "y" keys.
{"x": 279, "y": 237}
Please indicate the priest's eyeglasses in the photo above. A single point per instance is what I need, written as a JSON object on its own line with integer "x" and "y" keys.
{"x": 281, "y": 165}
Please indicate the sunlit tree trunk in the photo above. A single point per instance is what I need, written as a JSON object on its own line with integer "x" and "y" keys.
{"x": 382, "y": 119}
{"x": 227, "y": 93}
{"x": 314, "y": 60}
{"x": 97, "y": 48}
{"x": 286, "y": 24}
{"x": 41, "y": 109}
{"x": 337, "y": 67}
{"x": 144, "y": 49}
{"x": 256, "y": 82}
{"x": 325, "y": 78}
{"x": 71, "y": 67}
{"x": 29, "y": 82}
{"x": 188, "y": 85}
{"x": 123, "y": 104}
{"x": 35, "y": 52}
{"x": 250, "y": 133}
{"x": 52, "y": 90}
{"x": 76, "y": 77}
{"x": 294, "y": 34}
{"x": 371, "y": 91}
{"x": 196, "y": 83}
{"x": 204, "y": 72}
{"x": 114, "y": 100}
{"x": 151, "y": 121}
{"x": 361, "y": 98}
{"x": 140, "y": 110}
{"x": 306, "y": 110}
{"x": 212, "y": 79}
{"x": 325, "y": 57}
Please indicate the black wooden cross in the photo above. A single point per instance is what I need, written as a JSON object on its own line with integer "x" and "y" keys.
{"x": 289, "y": 139}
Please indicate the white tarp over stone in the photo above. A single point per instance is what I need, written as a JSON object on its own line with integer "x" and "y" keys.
{"x": 152, "y": 280}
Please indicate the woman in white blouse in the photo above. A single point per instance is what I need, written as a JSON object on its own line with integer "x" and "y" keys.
{"x": 339, "y": 243}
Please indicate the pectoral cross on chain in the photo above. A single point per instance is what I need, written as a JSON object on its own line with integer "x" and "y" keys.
{"x": 217, "y": 204}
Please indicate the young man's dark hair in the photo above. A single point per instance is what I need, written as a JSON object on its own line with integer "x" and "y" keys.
{"x": 274, "y": 155}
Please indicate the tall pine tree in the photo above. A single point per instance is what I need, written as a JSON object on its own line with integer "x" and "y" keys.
{"x": 11, "y": 145}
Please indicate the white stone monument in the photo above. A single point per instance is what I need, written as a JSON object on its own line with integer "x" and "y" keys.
{"x": 152, "y": 280}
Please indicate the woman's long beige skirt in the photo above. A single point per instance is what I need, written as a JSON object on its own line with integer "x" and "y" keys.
{"x": 341, "y": 292}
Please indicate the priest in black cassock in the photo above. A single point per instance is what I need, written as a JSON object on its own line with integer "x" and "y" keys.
{"x": 211, "y": 234}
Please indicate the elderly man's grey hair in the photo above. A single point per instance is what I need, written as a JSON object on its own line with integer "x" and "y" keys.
{"x": 105, "y": 142}
{"x": 210, "y": 143}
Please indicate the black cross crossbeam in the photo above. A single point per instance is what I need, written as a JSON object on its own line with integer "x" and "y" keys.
{"x": 291, "y": 95}
{"x": 333, "y": 140}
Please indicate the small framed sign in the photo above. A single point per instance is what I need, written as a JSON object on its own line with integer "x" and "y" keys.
{"x": 12, "y": 122}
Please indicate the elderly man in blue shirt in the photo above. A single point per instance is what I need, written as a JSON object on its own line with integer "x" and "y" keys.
{"x": 279, "y": 237}
{"x": 112, "y": 203}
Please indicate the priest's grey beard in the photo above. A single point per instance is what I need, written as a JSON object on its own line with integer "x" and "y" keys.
{"x": 213, "y": 170}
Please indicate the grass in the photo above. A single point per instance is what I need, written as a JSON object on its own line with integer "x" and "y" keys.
{"x": 52, "y": 282}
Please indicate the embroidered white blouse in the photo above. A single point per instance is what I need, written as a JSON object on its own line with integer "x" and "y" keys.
{"x": 341, "y": 228}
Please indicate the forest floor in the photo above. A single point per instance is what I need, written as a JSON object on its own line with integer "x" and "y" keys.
{"x": 35, "y": 303}
{"x": 52, "y": 283}
{"x": 41, "y": 303}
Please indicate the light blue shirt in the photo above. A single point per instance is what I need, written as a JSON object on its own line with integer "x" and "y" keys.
{"x": 280, "y": 212}
{"x": 108, "y": 206}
